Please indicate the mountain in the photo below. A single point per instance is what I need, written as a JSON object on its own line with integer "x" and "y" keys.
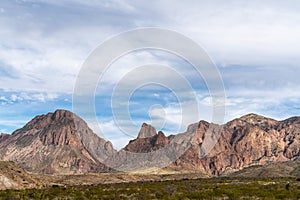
{"x": 12, "y": 176}
{"x": 62, "y": 143}
{"x": 146, "y": 131}
{"x": 148, "y": 140}
{"x": 56, "y": 143}
{"x": 243, "y": 142}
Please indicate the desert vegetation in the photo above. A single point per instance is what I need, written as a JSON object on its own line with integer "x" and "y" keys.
{"x": 215, "y": 188}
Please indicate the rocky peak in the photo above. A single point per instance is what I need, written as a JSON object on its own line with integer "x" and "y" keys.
{"x": 58, "y": 118}
{"x": 161, "y": 139}
{"x": 146, "y": 131}
{"x": 70, "y": 145}
{"x": 62, "y": 114}
{"x": 194, "y": 127}
{"x": 160, "y": 134}
{"x": 255, "y": 119}
{"x": 62, "y": 142}
{"x": 3, "y": 136}
{"x": 246, "y": 141}
{"x": 58, "y": 128}
{"x": 290, "y": 121}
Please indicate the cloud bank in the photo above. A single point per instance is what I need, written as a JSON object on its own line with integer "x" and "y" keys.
{"x": 255, "y": 45}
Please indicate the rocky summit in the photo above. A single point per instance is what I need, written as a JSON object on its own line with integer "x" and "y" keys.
{"x": 243, "y": 142}
{"x": 146, "y": 131}
{"x": 62, "y": 143}
{"x": 56, "y": 143}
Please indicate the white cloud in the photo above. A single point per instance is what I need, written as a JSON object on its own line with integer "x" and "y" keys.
{"x": 118, "y": 5}
{"x": 252, "y": 32}
{"x": 14, "y": 97}
{"x": 24, "y": 96}
{"x": 48, "y": 58}
{"x": 13, "y": 122}
{"x": 256, "y": 45}
{"x": 156, "y": 95}
{"x": 3, "y": 98}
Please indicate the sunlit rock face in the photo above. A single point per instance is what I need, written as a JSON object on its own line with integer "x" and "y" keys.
{"x": 58, "y": 142}
{"x": 62, "y": 143}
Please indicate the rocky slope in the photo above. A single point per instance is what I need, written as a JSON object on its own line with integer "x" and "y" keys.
{"x": 3, "y": 136}
{"x": 12, "y": 176}
{"x": 148, "y": 140}
{"x": 62, "y": 143}
{"x": 277, "y": 169}
{"x": 243, "y": 142}
{"x": 58, "y": 142}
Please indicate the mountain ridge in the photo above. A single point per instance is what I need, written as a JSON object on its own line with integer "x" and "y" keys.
{"x": 62, "y": 143}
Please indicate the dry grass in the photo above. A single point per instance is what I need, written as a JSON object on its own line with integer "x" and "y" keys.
{"x": 214, "y": 188}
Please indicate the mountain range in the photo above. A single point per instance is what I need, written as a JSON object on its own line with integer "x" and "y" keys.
{"x": 62, "y": 143}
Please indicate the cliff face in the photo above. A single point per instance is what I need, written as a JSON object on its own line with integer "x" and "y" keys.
{"x": 58, "y": 142}
{"x": 249, "y": 140}
{"x": 62, "y": 143}
{"x": 146, "y": 131}
{"x": 144, "y": 145}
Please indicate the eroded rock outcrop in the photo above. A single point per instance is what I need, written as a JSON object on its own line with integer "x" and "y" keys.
{"x": 58, "y": 142}
{"x": 62, "y": 143}
{"x": 246, "y": 141}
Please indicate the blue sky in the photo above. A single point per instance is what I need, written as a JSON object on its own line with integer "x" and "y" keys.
{"x": 43, "y": 44}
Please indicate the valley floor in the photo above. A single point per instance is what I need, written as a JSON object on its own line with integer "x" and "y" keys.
{"x": 213, "y": 188}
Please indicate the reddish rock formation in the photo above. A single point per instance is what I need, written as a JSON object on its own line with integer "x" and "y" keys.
{"x": 58, "y": 142}
{"x": 147, "y": 131}
{"x": 61, "y": 142}
{"x": 144, "y": 145}
{"x": 3, "y": 137}
{"x": 249, "y": 140}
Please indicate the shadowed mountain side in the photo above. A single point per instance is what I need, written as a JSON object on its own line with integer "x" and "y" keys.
{"x": 58, "y": 142}
{"x": 243, "y": 142}
{"x": 62, "y": 143}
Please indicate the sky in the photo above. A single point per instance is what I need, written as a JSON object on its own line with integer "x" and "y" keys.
{"x": 255, "y": 46}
